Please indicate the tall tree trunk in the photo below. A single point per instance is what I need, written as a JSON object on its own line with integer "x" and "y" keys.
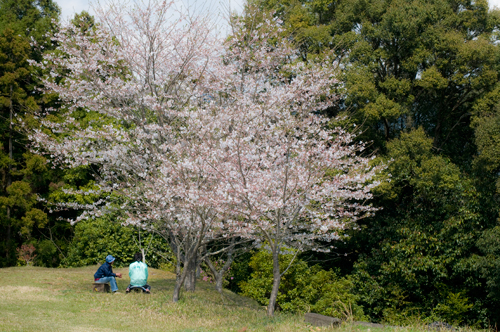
{"x": 386, "y": 129}
{"x": 437, "y": 132}
{"x": 7, "y": 238}
{"x": 177, "y": 292}
{"x": 179, "y": 275}
{"x": 276, "y": 282}
{"x": 218, "y": 282}
{"x": 10, "y": 128}
{"x": 9, "y": 178}
{"x": 189, "y": 259}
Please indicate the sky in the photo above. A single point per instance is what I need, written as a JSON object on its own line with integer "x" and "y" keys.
{"x": 70, "y": 7}
{"x": 494, "y": 3}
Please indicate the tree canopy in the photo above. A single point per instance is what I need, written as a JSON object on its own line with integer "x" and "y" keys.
{"x": 420, "y": 83}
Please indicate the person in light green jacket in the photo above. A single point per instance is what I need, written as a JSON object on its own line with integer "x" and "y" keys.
{"x": 138, "y": 273}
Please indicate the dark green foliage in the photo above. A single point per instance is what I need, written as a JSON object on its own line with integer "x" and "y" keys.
{"x": 303, "y": 288}
{"x": 487, "y": 265}
{"x": 489, "y": 244}
{"x": 24, "y": 177}
{"x": 46, "y": 253}
{"x": 240, "y": 271}
{"x": 95, "y": 239}
{"x": 429, "y": 226}
{"x": 421, "y": 84}
{"x": 487, "y": 139}
{"x": 408, "y": 64}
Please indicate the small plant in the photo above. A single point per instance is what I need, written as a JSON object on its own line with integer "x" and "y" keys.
{"x": 26, "y": 253}
{"x": 348, "y": 315}
{"x": 452, "y": 308}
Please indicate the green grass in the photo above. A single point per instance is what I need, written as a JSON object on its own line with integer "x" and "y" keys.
{"x": 41, "y": 299}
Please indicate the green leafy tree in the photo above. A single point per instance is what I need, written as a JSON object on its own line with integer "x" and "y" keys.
{"x": 421, "y": 83}
{"x": 487, "y": 263}
{"x": 24, "y": 176}
{"x": 408, "y": 64}
{"x": 423, "y": 237}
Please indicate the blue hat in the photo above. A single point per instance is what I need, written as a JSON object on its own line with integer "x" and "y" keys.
{"x": 110, "y": 259}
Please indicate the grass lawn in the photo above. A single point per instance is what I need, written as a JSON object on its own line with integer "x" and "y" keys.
{"x": 41, "y": 299}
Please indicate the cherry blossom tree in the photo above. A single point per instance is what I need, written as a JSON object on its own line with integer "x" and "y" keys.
{"x": 283, "y": 177}
{"x": 199, "y": 138}
{"x": 125, "y": 84}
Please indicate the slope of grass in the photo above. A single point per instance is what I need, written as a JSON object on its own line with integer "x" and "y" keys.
{"x": 41, "y": 299}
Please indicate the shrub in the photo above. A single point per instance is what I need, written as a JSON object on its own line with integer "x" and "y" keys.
{"x": 95, "y": 239}
{"x": 240, "y": 271}
{"x": 26, "y": 254}
{"x": 452, "y": 309}
{"x": 303, "y": 288}
{"x": 47, "y": 254}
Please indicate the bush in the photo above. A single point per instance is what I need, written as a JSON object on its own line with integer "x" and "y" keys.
{"x": 303, "y": 288}
{"x": 47, "y": 254}
{"x": 452, "y": 308}
{"x": 95, "y": 239}
{"x": 240, "y": 271}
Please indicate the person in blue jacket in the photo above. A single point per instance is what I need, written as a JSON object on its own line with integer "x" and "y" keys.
{"x": 105, "y": 274}
{"x": 138, "y": 273}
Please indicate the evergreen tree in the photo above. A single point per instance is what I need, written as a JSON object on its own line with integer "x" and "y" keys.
{"x": 421, "y": 83}
{"x": 24, "y": 176}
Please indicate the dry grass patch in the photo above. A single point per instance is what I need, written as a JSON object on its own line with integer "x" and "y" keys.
{"x": 23, "y": 293}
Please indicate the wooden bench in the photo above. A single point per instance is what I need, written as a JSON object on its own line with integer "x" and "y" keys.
{"x": 101, "y": 287}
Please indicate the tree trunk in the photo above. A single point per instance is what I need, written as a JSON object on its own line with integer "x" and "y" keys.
{"x": 179, "y": 280}
{"x": 187, "y": 274}
{"x": 219, "y": 275}
{"x": 179, "y": 276}
{"x": 276, "y": 283}
{"x": 190, "y": 267}
{"x": 386, "y": 129}
{"x": 9, "y": 178}
{"x": 437, "y": 134}
{"x": 7, "y": 239}
{"x": 10, "y": 129}
{"x": 219, "y": 278}
{"x": 177, "y": 292}
{"x": 189, "y": 258}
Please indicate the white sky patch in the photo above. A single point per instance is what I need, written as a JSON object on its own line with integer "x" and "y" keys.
{"x": 494, "y": 4}
{"x": 218, "y": 9}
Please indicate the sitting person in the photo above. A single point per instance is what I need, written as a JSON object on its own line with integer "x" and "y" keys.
{"x": 105, "y": 274}
{"x": 138, "y": 273}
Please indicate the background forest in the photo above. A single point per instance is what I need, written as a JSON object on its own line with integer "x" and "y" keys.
{"x": 420, "y": 82}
